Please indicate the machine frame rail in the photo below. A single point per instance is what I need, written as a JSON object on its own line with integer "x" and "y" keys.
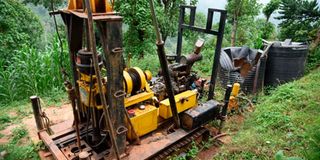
{"x": 179, "y": 144}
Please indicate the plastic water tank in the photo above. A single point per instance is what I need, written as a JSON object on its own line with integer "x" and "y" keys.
{"x": 285, "y": 63}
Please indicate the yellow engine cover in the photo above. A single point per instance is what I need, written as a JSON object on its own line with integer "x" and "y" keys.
{"x": 144, "y": 121}
{"x": 184, "y": 101}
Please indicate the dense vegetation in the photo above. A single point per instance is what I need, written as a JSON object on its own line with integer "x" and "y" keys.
{"x": 18, "y": 27}
{"x": 32, "y": 71}
{"x": 284, "y": 124}
{"x": 27, "y": 66}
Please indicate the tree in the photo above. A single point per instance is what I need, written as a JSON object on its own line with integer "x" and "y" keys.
{"x": 239, "y": 9}
{"x": 272, "y": 6}
{"x": 136, "y": 14}
{"x": 300, "y": 19}
{"x": 18, "y": 27}
{"x": 140, "y": 36}
{"x": 168, "y": 14}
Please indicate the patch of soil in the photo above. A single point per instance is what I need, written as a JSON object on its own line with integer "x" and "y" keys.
{"x": 8, "y": 131}
{"x": 235, "y": 120}
{"x": 55, "y": 115}
{"x": 225, "y": 139}
{"x": 208, "y": 153}
{"x": 4, "y": 140}
{"x": 13, "y": 114}
{"x": 238, "y": 119}
{"x": 45, "y": 155}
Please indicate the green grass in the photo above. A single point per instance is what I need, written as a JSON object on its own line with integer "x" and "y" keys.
{"x": 284, "y": 124}
{"x": 19, "y": 149}
{"x": 191, "y": 153}
{"x": 32, "y": 72}
{"x": 14, "y": 112}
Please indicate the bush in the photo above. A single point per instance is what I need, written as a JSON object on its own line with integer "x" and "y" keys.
{"x": 18, "y": 27}
{"x": 313, "y": 60}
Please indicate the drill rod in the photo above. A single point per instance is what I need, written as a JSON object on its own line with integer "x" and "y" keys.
{"x": 71, "y": 93}
{"x": 164, "y": 67}
{"x": 225, "y": 107}
{"x": 98, "y": 75}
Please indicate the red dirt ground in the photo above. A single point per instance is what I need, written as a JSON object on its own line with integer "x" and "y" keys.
{"x": 64, "y": 113}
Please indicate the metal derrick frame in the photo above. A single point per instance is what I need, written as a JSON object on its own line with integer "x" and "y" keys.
{"x": 110, "y": 29}
{"x": 219, "y": 33}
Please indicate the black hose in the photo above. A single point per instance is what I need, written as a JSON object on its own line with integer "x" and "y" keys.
{"x": 59, "y": 38}
{"x": 89, "y": 115}
{"x": 102, "y": 140}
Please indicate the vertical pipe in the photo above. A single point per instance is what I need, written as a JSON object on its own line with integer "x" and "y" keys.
{"x": 192, "y": 15}
{"x": 74, "y": 27}
{"x": 167, "y": 79}
{"x": 225, "y": 107}
{"x": 71, "y": 94}
{"x": 99, "y": 79}
{"x": 180, "y": 32}
{"x": 217, "y": 55}
{"x": 209, "y": 20}
{"x": 36, "y": 107}
{"x": 164, "y": 68}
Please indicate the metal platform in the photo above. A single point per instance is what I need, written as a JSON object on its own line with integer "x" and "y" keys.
{"x": 156, "y": 145}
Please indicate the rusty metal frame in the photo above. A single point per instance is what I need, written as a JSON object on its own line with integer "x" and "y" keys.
{"x": 109, "y": 26}
{"x": 208, "y": 30}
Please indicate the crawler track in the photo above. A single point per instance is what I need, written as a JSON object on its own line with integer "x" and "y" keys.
{"x": 183, "y": 142}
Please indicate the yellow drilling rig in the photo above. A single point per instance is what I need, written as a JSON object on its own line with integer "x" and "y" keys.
{"x": 129, "y": 113}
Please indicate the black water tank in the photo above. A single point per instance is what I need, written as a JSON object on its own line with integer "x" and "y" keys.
{"x": 285, "y": 63}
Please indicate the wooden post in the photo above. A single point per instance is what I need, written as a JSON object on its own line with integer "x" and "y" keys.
{"x": 36, "y": 107}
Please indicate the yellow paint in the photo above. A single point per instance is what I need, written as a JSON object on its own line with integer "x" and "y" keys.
{"x": 184, "y": 101}
{"x": 148, "y": 75}
{"x": 109, "y": 7}
{"x": 144, "y": 121}
{"x": 128, "y": 81}
{"x": 138, "y": 98}
{"x": 84, "y": 90}
{"x": 78, "y": 4}
{"x": 235, "y": 89}
{"x": 86, "y": 78}
{"x": 233, "y": 104}
{"x": 233, "y": 101}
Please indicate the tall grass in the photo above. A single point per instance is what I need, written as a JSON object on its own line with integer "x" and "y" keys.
{"x": 31, "y": 72}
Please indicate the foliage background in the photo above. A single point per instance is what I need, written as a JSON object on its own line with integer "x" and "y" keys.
{"x": 19, "y": 26}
